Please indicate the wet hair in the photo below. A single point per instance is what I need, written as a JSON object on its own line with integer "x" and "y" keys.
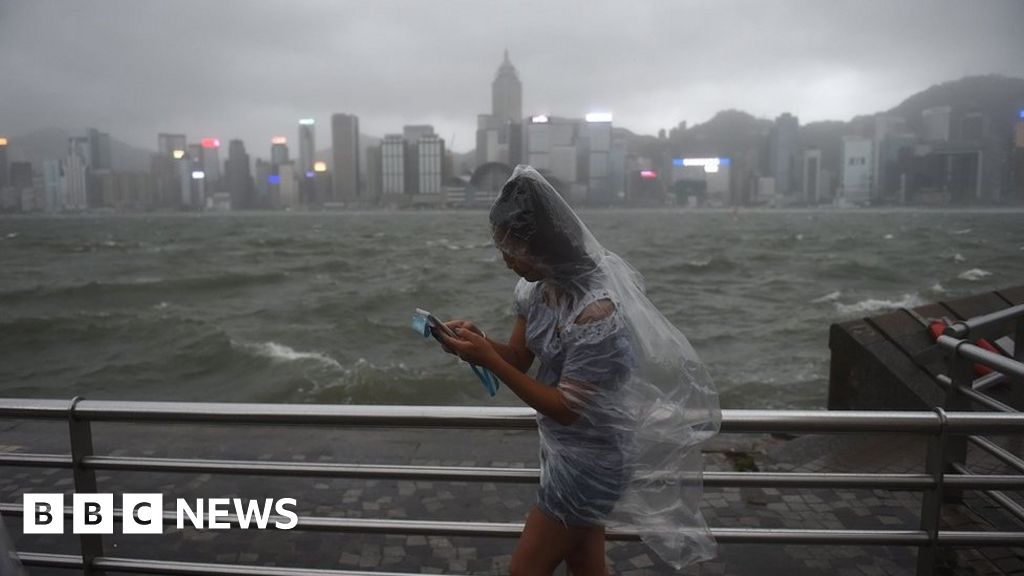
{"x": 529, "y": 219}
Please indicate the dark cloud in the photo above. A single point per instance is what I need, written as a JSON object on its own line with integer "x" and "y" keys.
{"x": 250, "y": 69}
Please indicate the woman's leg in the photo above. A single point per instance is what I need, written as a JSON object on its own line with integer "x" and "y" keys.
{"x": 544, "y": 543}
{"x": 587, "y": 558}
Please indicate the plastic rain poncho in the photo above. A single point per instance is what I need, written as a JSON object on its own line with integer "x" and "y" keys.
{"x": 645, "y": 402}
{"x": 9, "y": 563}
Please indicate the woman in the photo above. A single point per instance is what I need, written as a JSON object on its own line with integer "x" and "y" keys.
{"x": 622, "y": 400}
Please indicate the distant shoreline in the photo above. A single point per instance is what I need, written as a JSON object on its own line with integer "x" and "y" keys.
{"x": 585, "y": 209}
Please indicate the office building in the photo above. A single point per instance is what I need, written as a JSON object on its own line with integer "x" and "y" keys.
{"x": 813, "y": 188}
{"x": 4, "y": 178}
{"x": 210, "y": 161}
{"x": 263, "y": 171}
{"x": 76, "y": 175}
{"x": 494, "y": 138}
{"x": 278, "y": 150}
{"x": 288, "y": 186}
{"x": 51, "y": 185}
{"x": 507, "y": 93}
{"x": 393, "y": 160}
{"x": 374, "y": 174}
{"x": 345, "y": 149}
{"x": 99, "y": 150}
{"x": 307, "y": 145}
{"x": 238, "y": 178}
{"x": 21, "y": 175}
{"x": 171, "y": 145}
{"x": 783, "y": 153}
{"x": 857, "y": 170}
{"x": 935, "y": 124}
{"x": 598, "y": 135}
{"x": 430, "y": 159}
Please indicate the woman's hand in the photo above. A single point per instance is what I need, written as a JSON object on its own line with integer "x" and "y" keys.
{"x": 472, "y": 347}
{"x": 456, "y": 325}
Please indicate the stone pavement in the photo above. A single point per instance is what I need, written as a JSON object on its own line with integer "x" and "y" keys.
{"x": 483, "y": 501}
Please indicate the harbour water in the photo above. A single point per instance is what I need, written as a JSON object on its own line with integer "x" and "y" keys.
{"x": 316, "y": 307}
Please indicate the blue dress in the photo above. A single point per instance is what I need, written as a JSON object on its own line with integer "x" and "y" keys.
{"x": 586, "y": 350}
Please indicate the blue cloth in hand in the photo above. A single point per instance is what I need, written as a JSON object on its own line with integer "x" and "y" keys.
{"x": 487, "y": 378}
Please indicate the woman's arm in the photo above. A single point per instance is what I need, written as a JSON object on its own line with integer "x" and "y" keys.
{"x": 547, "y": 400}
{"x": 514, "y": 352}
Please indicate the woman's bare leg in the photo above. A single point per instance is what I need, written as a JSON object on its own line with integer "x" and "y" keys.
{"x": 543, "y": 545}
{"x": 587, "y": 559}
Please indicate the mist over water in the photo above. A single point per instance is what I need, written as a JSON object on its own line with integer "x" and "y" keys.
{"x": 316, "y": 307}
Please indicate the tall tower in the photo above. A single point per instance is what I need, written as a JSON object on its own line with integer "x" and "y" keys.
{"x": 307, "y": 144}
{"x": 345, "y": 149}
{"x": 238, "y": 178}
{"x": 3, "y": 162}
{"x": 507, "y": 94}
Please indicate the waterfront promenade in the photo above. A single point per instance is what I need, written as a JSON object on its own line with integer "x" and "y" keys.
{"x": 482, "y": 501}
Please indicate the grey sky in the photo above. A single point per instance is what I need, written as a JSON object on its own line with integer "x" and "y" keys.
{"x": 250, "y": 69}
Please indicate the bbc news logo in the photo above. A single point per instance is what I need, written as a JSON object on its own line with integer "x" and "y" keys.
{"x": 144, "y": 513}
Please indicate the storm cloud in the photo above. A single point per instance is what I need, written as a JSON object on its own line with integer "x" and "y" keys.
{"x": 249, "y": 69}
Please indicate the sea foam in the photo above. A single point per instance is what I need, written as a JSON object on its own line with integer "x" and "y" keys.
{"x": 876, "y": 305}
{"x": 974, "y": 274}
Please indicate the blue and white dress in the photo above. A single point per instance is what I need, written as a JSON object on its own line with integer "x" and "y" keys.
{"x": 585, "y": 349}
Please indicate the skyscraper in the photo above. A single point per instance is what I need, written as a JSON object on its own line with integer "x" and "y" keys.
{"x": 166, "y": 144}
{"x": 307, "y": 144}
{"x": 171, "y": 171}
{"x": 393, "y": 152}
{"x": 494, "y": 129}
{"x": 507, "y": 93}
{"x": 429, "y": 162}
{"x": 76, "y": 174}
{"x": 238, "y": 178}
{"x": 210, "y": 162}
{"x": 345, "y": 149}
{"x": 99, "y": 150}
{"x": 785, "y": 162}
{"x": 278, "y": 150}
{"x": 3, "y": 162}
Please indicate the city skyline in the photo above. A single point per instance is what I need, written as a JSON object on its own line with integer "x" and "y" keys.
{"x": 650, "y": 75}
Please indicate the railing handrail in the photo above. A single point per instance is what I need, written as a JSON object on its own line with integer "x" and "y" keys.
{"x": 489, "y": 417}
{"x": 971, "y": 326}
{"x": 966, "y": 350}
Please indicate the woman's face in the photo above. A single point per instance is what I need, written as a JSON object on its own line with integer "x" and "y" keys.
{"x": 514, "y": 252}
{"x": 522, "y": 267}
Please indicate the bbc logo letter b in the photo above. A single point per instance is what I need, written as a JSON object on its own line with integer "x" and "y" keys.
{"x": 42, "y": 514}
{"x": 93, "y": 514}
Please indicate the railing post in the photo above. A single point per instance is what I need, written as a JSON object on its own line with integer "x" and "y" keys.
{"x": 80, "y": 432}
{"x": 931, "y": 501}
{"x": 1016, "y": 399}
{"x": 961, "y": 375}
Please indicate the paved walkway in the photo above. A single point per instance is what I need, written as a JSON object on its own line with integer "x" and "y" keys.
{"x": 764, "y": 507}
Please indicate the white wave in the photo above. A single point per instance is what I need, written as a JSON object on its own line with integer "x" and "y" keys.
{"x": 964, "y": 231}
{"x": 13, "y": 235}
{"x": 937, "y": 288}
{"x": 799, "y": 236}
{"x": 958, "y": 257}
{"x": 830, "y": 297}
{"x": 282, "y": 353}
{"x": 875, "y": 305}
{"x": 888, "y": 237}
{"x": 974, "y": 274}
{"x": 699, "y": 263}
{"x": 162, "y": 306}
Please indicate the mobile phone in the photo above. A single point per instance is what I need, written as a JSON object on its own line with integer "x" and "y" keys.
{"x": 435, "y": 325}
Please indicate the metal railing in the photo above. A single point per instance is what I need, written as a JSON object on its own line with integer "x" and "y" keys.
{"x": 947, "y": 430}
{"x": 939, "y": 426}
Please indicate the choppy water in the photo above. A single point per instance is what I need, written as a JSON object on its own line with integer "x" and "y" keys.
{"x": 316, "y": 307}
